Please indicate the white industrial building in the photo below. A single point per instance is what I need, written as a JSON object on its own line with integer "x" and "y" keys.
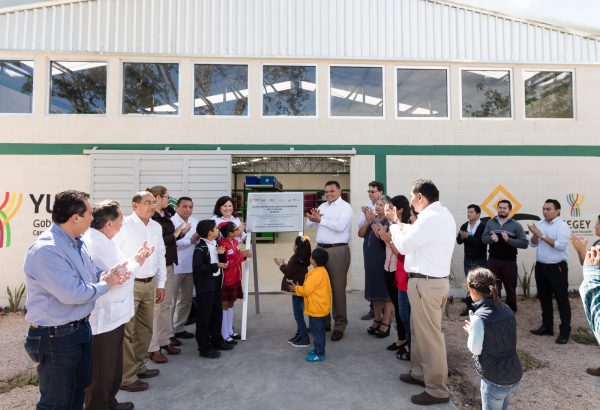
{"x": 112, "y": 96}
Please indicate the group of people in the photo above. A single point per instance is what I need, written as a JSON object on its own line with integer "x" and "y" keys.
{"x": 107, "y": 293}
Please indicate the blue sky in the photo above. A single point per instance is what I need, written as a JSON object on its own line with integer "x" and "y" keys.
{"x": 583, "y": 15}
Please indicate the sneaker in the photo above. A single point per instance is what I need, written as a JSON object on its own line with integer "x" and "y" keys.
{"x": 311, "y": 351}
{"x": 301, "y": 343}
{"x": 294, "y": 339}
{"x": 315, "y": 357}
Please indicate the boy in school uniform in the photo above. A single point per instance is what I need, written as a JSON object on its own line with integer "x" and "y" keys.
{"x": 317, "y": 301}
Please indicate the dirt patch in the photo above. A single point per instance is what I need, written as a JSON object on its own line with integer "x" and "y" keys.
{"x": 555, "y": 374}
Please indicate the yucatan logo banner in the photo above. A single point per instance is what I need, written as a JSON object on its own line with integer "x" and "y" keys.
{"x": 575, "y": 201}
{"x": 9, "y": 206}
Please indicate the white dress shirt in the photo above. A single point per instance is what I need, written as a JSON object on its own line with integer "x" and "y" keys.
{"x": 235, "y": 220}
{"x": 185, "y": 247}
{"x": 213, "y": 252}
{"x": 131, "y": 236}
{"x": 558, "y": 230}
{"x": 362, "y": 219}
{"x": 428, "y": 243}
{"x": 115, "y": 307}
{"x": 336, "y": 221}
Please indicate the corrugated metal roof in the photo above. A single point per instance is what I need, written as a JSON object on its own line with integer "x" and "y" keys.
{"x": 418, "y": 30}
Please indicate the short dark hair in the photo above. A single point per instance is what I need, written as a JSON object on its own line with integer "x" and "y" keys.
{"x": 67, "y": 204}
{"x": 104, "y": 212}
{"x": 227, "y": 228}
{"x": 553, "y": 202}
{"x": 337, "y": 184}
{"x": 377, "y": 185}
{"x": 183, "y": 198}
{"x": 505, "y": 201}
{"x": 220, "y": 202}
{"x": 320, "y": 256}
{"x": 476, "y": 208}
{"x": 204, "y": 227}
{"x": 401, "y": 202}
{"x": 426, "y": 188}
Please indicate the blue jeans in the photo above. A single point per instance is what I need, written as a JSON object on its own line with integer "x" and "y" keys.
{"x": 298, "y": 307}
{"x": 404, "y": 308}
{"x": 496, "y": 396}
{"x": 317, "y": 328}
{"x": 64, "y": 354}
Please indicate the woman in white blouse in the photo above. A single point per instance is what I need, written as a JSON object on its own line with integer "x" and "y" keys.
{"x": 223, "y": 212}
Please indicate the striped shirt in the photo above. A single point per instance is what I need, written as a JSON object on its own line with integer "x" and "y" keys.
{"x": 590, "y": 296}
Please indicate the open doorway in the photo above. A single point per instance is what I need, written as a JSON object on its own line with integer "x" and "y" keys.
{"x": 302, "y": 173}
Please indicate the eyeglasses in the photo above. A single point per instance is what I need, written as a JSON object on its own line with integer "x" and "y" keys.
{"x": 150, "y": 202}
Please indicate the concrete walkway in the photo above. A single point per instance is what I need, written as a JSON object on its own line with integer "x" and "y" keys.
{"x": 265, "y": 372}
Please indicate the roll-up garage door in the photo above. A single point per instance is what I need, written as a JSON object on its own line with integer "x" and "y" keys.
{"x": 203, "y": 177}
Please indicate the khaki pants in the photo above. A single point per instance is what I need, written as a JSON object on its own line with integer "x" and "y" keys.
{"x": 428, "y": 361}
{"x": 337, "y": 267}
{"x": 163, "y": 315}
{"x": 138, "y": 332}
{"x": 182, "y": 300}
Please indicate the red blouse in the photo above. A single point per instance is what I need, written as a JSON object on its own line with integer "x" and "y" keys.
{"x": 233, "y": 274}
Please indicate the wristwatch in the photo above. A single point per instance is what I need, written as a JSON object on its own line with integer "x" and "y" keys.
{"x": 543, "y": 237}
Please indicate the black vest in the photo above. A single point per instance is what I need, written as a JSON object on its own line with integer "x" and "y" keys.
{"x": 498, "y": 361}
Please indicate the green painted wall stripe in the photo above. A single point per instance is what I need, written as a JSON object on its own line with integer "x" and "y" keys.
{"x": 452, "y": 150}
{"x": 381, "y": 169}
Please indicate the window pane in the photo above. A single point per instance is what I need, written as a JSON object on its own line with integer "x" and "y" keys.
{"x": 16, "y": 85}
{"x": 77, "y": 87}
{"x": 548, "y": 94}
{"x": 356, "y": 91}
{"x": 150, "y": 88}
{"x": 220, "y": 89}
{"x": 486, "y": 93}
{"x": 289, "y": 90}
{"x": 422, "y": 93}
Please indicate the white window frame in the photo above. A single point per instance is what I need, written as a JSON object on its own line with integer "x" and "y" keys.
{"x": 217, "y": 117}
{"x": 568, "y": 70}
{"x": 511, "y": 89}
{"x": 123, "y": 61}
{"x": 295, "y": 117}
{"x": 359, "y": 117}
{"x": 33, "y": 89}
{"x": 49, "y": 87}
{"x": 449, "y": 108}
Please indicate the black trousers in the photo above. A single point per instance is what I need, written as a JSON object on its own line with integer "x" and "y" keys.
{"x": 508, "y": 275}
{"x": 390, "y": 282}
{"x": 107, "y": 369}
{"x": 553, "y": 279}
{"x": 209, "y": 316}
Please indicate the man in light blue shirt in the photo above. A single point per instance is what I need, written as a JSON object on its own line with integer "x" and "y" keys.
{"x": 551, "y": 237}
{"x": 62, "y": 285}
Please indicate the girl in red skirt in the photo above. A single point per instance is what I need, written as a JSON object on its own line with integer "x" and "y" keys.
{"x": 232, "y": 277}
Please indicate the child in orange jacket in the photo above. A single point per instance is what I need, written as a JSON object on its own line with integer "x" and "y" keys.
{"x": 317, "y": 301}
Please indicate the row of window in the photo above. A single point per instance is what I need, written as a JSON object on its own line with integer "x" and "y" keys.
{"x": 79, "y": 87}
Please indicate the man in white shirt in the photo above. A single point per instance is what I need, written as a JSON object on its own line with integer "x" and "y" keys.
{"x": 428, "y": 245}
{"x": 550, "y": 237}
{"x": 375, "y": 190}
{"x": 148, "y": 288}
{"x": 333, "y": 220}
{"x": 184, "y": 280}
{"x": 112, "y": 310}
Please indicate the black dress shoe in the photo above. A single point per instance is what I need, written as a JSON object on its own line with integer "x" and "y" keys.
{"x": 210, "y": 354}
{"x": 543, "y": 330}
{"x": 407, "y": 378}
{"x": 184, "y": 335}
{"x": 337, "y": 335}
{"x": 426, "y": 399}
{"x": 174, "y": 341}
{"x": 125, "y": 405}
{"x": 562, "y": 339}
{"x": 223, "y": 346}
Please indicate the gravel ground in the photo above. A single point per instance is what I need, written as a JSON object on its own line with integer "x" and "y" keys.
{"x": 561, "y": 384}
